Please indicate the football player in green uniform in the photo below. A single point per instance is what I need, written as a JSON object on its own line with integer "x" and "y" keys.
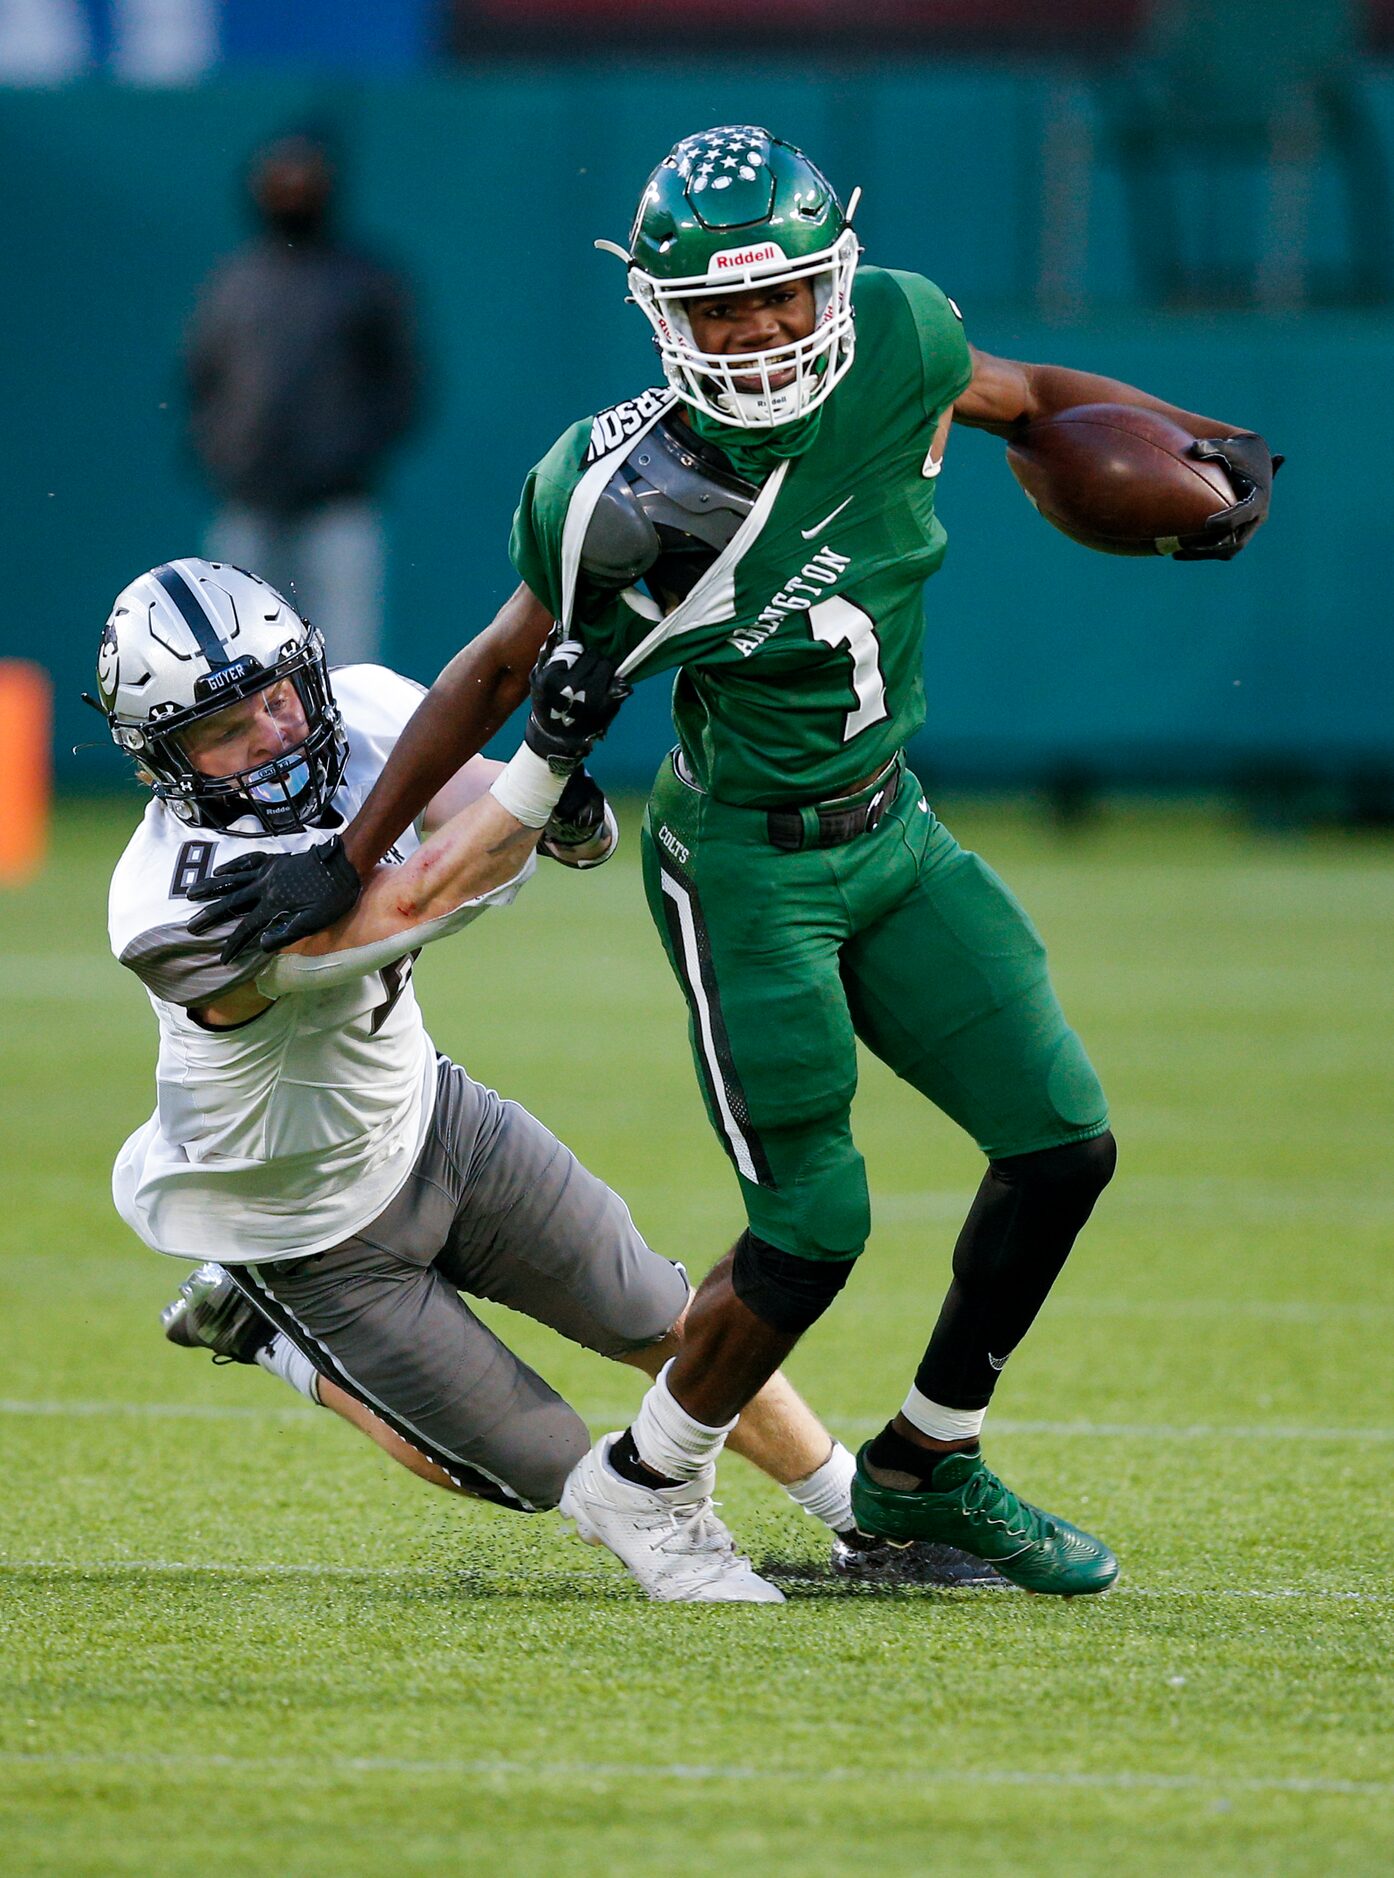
{"x": 763, "y": 525}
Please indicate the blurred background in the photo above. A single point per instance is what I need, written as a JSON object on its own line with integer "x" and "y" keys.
{"x": 1190, "y": 194}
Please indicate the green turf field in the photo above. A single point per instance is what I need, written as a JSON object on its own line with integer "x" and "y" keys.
{"x": 234, "y": 1639}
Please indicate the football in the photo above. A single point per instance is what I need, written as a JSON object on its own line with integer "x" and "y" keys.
{"x": 1117, "y": 477}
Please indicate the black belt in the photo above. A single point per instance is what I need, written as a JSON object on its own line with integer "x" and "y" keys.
{"x": 829, "y": 824}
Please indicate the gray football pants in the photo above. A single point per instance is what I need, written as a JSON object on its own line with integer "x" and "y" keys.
{"x": 497, "y": 1207}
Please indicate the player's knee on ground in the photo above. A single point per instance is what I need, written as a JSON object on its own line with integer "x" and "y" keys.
{"x": 786, "y": 1292}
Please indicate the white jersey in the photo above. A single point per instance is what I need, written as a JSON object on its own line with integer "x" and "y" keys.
{"x": 284, "y": 1135}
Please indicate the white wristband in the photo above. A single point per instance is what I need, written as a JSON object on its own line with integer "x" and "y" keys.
{"x": 529, "y": 788}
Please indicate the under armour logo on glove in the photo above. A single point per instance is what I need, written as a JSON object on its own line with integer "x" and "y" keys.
{"x": 575, "y": 694}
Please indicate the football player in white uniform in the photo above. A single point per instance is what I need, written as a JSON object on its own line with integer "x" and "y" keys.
{"x": 350, "y": 1182}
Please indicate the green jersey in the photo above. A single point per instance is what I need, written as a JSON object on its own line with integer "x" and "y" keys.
{"x": 800, "y": 650}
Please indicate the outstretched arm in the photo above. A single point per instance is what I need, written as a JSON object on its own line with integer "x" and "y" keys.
{"x": 274, "y": 900}
{"x": 478, "y": 691}
{"x": 1004, "y": 396}
{"x": 483, "y": 848}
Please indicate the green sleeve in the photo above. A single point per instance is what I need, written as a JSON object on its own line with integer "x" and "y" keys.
{"x": 945, "y": 362}
{"x": 540, "y": 569}
{"x": 535, "y": 545}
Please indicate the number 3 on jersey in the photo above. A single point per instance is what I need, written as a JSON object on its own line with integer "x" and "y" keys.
{"x": 837, "y": 622}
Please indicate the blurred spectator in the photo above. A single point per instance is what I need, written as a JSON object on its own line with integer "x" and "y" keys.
{"x": 1268, "y": 85}
{"x": 302, "y": 374}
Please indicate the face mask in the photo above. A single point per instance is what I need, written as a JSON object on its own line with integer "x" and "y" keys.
{"x": 286, "y": 786}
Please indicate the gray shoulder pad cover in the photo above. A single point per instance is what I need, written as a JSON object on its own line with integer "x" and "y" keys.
{"x": 669, "y": 492}
{"x": 621, "y": 543}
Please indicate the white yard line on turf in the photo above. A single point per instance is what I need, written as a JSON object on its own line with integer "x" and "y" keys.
{"x": 289, "y": 1410}
{"x": 194, "y": 1568}
{"x": 629, "y": 1772}
{"x": 1000, "y": 1425}
{"x": 1157, "y": 1431}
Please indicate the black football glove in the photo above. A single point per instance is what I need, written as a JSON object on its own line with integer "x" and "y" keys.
{"x": 576, "y": 821}
{"x": 276, "y": 898}
{"x": 580, "y": 814}
{"x": 575, "y": 695}
{"x": 1251, "y": 468}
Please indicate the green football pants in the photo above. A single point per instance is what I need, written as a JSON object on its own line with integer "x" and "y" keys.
{"x": 898, "y": 937}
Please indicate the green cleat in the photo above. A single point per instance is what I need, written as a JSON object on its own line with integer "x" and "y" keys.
{"x": 971, "y": 1508}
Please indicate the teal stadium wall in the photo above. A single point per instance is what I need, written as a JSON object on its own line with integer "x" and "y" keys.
{"x": 489, "y": 187}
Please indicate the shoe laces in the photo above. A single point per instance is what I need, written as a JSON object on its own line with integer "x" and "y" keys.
{"x": 699, "y": 1539}
{"x": 988, "y": 1500}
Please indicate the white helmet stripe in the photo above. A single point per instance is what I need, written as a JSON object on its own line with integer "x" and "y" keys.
{"x": 195, "y": 615}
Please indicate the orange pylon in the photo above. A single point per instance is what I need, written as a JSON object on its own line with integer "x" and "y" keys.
{"x": 26, "y": 768}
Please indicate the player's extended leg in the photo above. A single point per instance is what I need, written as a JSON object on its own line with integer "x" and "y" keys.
{"x": 778, "y": 1432}
{"x": 213, "y": 1312}
{"x": 753, "y": 936}
{"x": 950, "y": 987}
{"x": 393, "y": 1333}
{"x": 542, "y": 1235}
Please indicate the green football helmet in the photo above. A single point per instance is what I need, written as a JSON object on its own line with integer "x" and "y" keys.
{"x": 738, "y": 208}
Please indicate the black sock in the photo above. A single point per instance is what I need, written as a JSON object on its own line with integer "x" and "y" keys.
{"x": 897, "y": 1454}
{"x": 624, "y": 1459}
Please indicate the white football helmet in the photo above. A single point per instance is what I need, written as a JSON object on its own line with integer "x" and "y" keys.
{"x": 186, "y": 640}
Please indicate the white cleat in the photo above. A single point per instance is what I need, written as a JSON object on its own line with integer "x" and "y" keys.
{"x": 670, "y": 1537}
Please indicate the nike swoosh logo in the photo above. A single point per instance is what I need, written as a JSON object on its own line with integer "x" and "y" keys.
{"x": 818, "y": 527}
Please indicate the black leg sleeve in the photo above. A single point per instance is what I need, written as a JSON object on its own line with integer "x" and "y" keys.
{"x": 1023, "y": 1221}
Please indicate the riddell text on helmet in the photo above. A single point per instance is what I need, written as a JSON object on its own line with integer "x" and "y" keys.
{"x": 731, "y": 258}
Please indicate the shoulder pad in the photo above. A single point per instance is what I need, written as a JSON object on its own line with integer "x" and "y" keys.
{"x": 673, "y": 495}
{"x": 621, "y": 543}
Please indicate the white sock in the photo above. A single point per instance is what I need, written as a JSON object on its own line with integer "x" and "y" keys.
{"x": 281, "y": 1358}
{"x": 940, "y": 1423}
{"x": 826, "y": 1493}
{"x": 669, "y": 1440}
